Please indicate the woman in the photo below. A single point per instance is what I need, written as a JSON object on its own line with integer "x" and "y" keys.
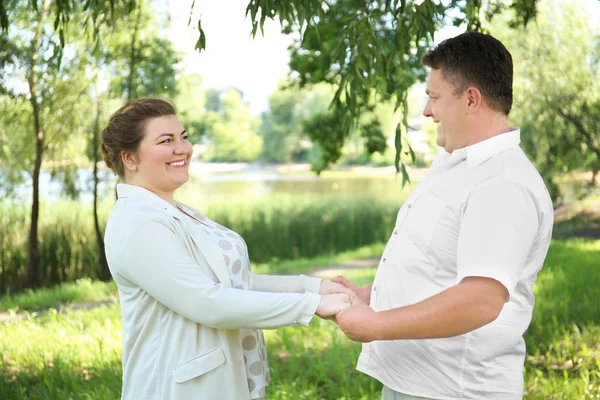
{"x": 191, "y": 307}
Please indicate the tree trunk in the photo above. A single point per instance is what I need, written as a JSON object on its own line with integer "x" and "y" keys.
{"x": 104, "y": 271}
{"x": 131, "y": 93}
{"x": 33, "y": 256}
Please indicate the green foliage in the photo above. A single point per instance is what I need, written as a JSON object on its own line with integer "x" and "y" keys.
{"x": 369, "y": 50}
{"x": 277, "y": 229}
{"x": 556, "y": 91}
{"x": 43, "y": 87}
{"x": 280, "y": 128}
{"x": 232, "y": 132}
{"x": 190, "y": 105}
{"x": 139, "y": 60}
{"x": 328, "y": 132}
{"x": 288, "y": 228}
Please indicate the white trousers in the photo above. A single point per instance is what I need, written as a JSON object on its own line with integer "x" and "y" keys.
{"x": 389, "y": 394}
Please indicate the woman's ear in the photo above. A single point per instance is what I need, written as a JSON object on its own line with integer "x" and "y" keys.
{"x": 474, "y": 99}
{"x": 129, "y": 160}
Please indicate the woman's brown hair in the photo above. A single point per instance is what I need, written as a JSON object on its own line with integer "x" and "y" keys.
{"x": 125, "y": 129}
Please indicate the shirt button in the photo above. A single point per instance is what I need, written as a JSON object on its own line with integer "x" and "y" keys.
{"x": 409, "y": 206}
{"x": 374, "y": 288}
{"x": 395, "y": 231}
{"x": 384, "y": 259}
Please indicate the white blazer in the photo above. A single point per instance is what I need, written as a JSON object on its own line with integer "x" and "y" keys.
{"x": 181, "y": 317}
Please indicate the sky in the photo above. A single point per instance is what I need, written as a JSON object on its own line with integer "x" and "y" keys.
{"x": 233, "y": 58}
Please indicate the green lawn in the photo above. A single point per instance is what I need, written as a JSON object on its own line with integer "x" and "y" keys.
{"x": 76, "y": 354}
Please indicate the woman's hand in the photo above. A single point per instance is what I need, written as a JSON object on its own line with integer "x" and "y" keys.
{"x": 331, "y": 304}
{"x": 329, "y": 287}
{"x": 363, "y": 293}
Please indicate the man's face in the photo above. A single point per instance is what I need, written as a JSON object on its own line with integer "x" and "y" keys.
{"x": 447, "y": 110}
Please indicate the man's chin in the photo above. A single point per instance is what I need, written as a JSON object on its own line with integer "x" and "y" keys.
{"x": 440, "y": 141}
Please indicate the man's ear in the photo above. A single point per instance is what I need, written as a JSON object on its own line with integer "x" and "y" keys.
{"x": 130, "y": 160}
{"x": 474, "y": 99}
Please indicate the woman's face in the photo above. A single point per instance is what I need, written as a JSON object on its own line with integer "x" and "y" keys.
{"x": 163, "y": 157}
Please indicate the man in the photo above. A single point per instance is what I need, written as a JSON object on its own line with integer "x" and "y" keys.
{"x": 452, "y": 295}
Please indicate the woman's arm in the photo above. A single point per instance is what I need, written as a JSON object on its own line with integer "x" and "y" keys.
{"x": 154, "y": 259}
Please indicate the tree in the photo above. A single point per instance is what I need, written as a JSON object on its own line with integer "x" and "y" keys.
{"x": 138, "y": 62}
{"x": 190, "y": 102}
{"x": 281, "y": 129}
{"x": 330, "y": 145}
{"x": 232, "y": 132}
{"x": 369, "y": 50}
{"x": 47, "y": 93}
{"x": 556, "y": 91}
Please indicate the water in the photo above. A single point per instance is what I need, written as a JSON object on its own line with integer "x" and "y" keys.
{"x": 231, "y": 181}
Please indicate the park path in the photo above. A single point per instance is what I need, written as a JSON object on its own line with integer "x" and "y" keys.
{"x": 320, "y": 272}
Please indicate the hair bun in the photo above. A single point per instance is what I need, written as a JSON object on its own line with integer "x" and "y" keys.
{"x": 106, "y": 156}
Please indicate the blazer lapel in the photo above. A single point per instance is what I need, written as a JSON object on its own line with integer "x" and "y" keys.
{"x": 204, "y": 246}
{"x": 200, "y": 242}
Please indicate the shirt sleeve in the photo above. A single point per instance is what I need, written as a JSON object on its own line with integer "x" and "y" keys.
{"x": 498, "y": 227}
{"x": 282, "y": 284}
{"x": 156, "y": 260}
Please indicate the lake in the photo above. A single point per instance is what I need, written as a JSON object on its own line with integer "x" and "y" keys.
{"x": 248, "y": 181}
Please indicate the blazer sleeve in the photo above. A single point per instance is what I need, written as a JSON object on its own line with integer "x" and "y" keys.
{"x": 282, "y": 284}
{"x": 155, "y": 260}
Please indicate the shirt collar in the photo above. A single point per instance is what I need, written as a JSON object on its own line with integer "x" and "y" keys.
{"x": 125, "y": 191}
{"x": 483, "y": 151}
{"x": 477, "y": 153}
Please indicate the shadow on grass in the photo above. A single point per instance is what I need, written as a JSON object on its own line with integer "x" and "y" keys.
{"x": 584, "y": 225}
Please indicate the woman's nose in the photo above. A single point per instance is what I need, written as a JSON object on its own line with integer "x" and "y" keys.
{"x": 182, "y": 147}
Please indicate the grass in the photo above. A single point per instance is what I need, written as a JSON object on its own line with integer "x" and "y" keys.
{"x": 82, "y": 291}
{"x": 76, "y": 354}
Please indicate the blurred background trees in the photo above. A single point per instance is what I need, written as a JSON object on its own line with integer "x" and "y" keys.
{"x": 354, "y": 94}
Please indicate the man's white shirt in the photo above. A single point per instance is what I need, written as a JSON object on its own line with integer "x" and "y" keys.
{"x": 481, "y": 211}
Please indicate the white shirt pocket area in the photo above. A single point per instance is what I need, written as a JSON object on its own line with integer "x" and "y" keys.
{"x": 199, "y": 365}
{"x": 421, "y": 219}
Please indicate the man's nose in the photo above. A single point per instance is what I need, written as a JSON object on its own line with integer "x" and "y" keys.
{"x": 427, "y": 111}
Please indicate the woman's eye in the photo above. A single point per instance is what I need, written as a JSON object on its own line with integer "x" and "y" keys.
{"x": 184, "y": 137}
{"x": 166, "y": 141}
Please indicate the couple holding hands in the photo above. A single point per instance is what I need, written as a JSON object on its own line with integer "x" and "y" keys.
{"x": 445, "y": 314}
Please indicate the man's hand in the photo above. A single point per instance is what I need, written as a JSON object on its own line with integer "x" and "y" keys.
{"x": 332, "y": 304}
{"x": 363, "y": 293}
{"x": 329, "y": 287}
{"x": 359, "y": 322}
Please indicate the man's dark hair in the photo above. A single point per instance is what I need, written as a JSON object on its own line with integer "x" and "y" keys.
{"x": 476, "y": 59}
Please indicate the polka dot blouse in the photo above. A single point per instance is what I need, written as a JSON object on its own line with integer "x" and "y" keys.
{"x": 235, "y": 253}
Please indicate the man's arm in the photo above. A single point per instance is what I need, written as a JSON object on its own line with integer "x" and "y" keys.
{"x": 469, "y": 305}
{"x": 498, "y": 227}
